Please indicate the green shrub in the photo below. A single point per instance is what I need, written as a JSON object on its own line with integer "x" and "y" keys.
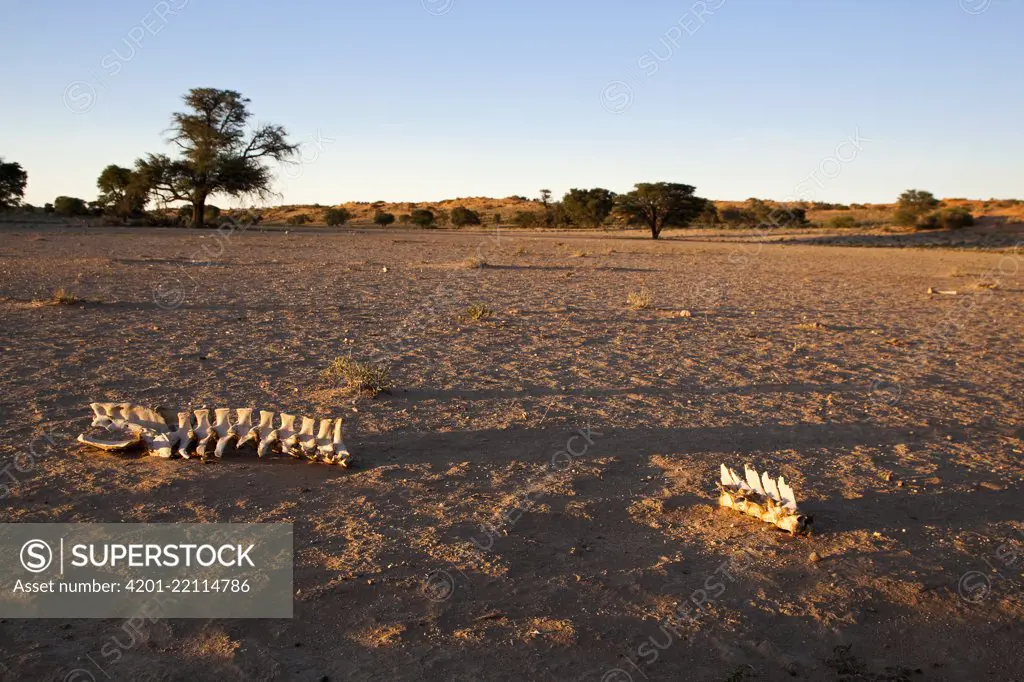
{"x": 300, "y": 219}
{"x": 422, "y": 218}
{"x": 337, "y": 216}
{"x": 405, "y": 219}
{"x": 383, "y": 219}
{"x": 953, "y": 218}
{"x": 70, "y": 206}
{"x": 462, "y": 216}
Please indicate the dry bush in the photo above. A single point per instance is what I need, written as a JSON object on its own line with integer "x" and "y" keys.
{"x": 362, "y": 377}
{"x": 640, "y": 300}
{"x": 474, "y": 262}
{"x": 62, "y": 296}
{"x": 476, "y": 313}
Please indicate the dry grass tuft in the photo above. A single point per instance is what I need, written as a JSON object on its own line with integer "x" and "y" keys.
{"x": 477, "y": 313}
{"x": 62, "y": 296}
{"x": 373, "y": 378}
{"x": 640, "y": 300}
{"x": 474, "y": 262}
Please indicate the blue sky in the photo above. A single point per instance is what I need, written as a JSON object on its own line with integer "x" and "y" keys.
{"x": 428, "y": 99}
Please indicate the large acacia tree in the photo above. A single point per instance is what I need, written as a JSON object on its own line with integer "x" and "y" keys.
{"x": 220, "y": 154}
{"x": 13, "y": 179}
{"x": 661, "y": 204}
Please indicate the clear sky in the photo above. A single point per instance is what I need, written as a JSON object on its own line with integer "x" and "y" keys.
{"x": 429, "y": 99}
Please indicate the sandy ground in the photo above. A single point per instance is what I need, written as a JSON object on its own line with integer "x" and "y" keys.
{"x": 895, "y": 414}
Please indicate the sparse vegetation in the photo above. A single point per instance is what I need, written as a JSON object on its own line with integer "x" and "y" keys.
{"x": 474, "y": 262}
{"x": 641, "y": 299}
{"x": 842, "y": 222}
{"x": 371, "y": 378}
{"x": 300, "y": 219}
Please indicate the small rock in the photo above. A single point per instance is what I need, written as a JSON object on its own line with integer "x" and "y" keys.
{"x": 814, "y": 558}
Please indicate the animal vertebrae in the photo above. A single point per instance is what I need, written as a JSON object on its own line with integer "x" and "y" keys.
{"x": 763, "y": 498}
{"x": 117, "y": 426}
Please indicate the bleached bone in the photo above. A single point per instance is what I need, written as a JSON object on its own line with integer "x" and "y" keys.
{"x": 341, "y": 453}
{"x": 307, "y": 439}
{"x": 204, "y": 433}
{"x": 222, "y": 427}
{"x": 105, "y": 413}
{"x": 266, "y": 434}
{"x": 759, "y": 496}
{"x": 325, "y": 442}
{"x": 242, "y": 428}
{"x": 185, "y": 434}
{"x": 110, "y": 438}
{"x": 287, "y": 434}
{"x": 118, "y": 426}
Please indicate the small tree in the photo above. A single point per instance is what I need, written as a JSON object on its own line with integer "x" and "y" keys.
{"x": 405, "y": 219}
{"x": 421, "y": 217}
{"x": 442, "y": 216}
{"x": 70, "y": 207}
{"x": 123, "y": 192}
{"x": 545, "y": 197}
{"x": 588, "y": 207}
{"x": 462, "y": 216}
{"x": 337, "y": 216}
{"x": 13, "y": 180}
{"x": 383, "y": 219}
{"x": 661, "y": 204}
{"x": 497, "y": 218}
{"x": 912, "y": 205}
